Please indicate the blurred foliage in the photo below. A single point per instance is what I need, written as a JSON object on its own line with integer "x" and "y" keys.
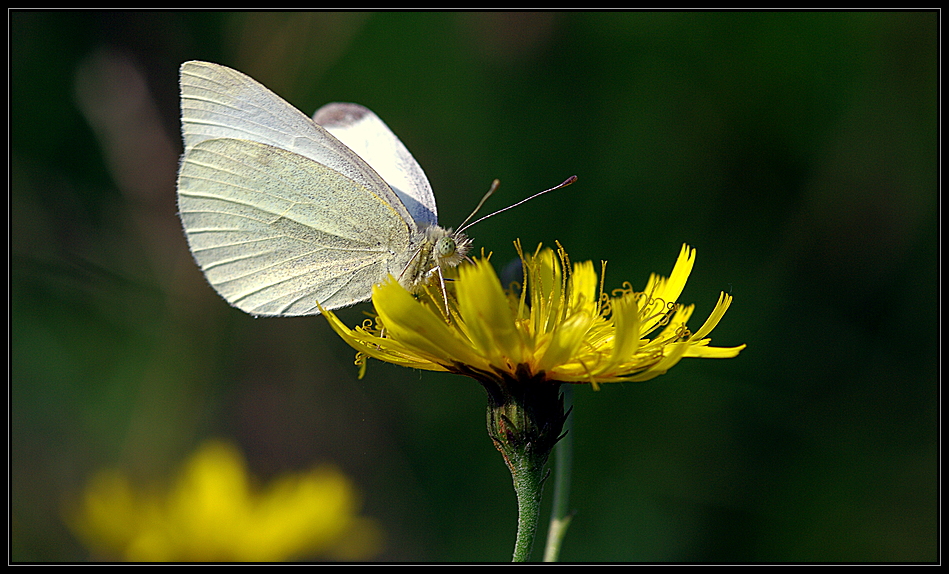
{"x": 796, "y": 151}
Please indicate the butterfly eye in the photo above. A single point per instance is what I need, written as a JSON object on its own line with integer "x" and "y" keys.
{"x": 445, "y": 247}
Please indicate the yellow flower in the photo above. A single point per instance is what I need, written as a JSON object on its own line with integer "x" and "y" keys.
{"x": 212, "y": 512}
{"x": 561, "y": 326}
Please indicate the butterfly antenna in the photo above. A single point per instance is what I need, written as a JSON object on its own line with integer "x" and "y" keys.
{"x": 494, "y": 186}
{"x": 566, "y": 182}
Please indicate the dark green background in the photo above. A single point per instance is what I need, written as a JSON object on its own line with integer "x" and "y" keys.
{"x": 796, "y": 151}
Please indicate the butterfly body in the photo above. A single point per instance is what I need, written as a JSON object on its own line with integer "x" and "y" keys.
{"x": 282, "y": 213}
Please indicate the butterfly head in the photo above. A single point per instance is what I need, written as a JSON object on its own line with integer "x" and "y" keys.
{"x": 450, "y": 247}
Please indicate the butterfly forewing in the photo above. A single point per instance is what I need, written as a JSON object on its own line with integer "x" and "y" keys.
{"x": 218, "y": 102}
{"x": 368, "y": 136}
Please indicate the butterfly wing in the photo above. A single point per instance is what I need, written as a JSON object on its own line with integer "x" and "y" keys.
{"x": 369, "y": 137}
{"x": 218, "y": 102}
{"x": 276, "y": 232}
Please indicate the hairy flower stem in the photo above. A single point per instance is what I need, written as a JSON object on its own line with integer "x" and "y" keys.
{"x": 525, "y": 419}
{"x": 529, "y": 486}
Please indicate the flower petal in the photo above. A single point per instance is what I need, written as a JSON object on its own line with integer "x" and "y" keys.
{"x": 416, "y": 326}
{"x": 487, "y": 314}
{"x": 626, "y": 321}
{"x": 565, "y": 342}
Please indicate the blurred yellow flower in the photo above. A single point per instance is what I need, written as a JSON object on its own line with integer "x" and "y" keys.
{"x": 214, "y": 512}
{"x": 561, "y": 326}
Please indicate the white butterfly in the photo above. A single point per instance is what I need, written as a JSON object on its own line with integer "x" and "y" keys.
{"x": 281, "y": 213}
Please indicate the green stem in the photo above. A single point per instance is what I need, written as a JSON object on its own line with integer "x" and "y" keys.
{"x": 525, "y": 419}
{"x": 528, "y": 484}
{"x": 560, "y": 515}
